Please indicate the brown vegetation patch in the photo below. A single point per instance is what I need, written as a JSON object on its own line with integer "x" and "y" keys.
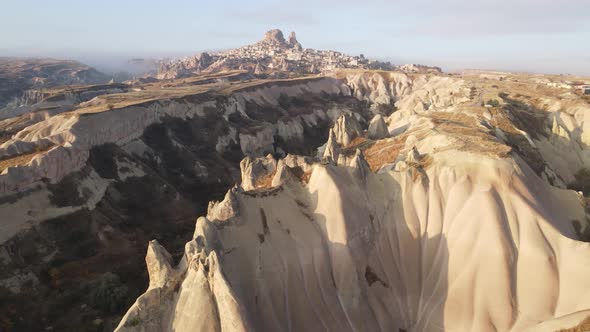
{"x": 455, "y": 118}
{"x": 468, "y": 134}
{"x": 358, "y": 142}
{"x": 582, "y": 327}
{"x": 384, "y": 152}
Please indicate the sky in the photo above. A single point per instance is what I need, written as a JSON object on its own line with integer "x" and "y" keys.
{"x": 547, "y": 36}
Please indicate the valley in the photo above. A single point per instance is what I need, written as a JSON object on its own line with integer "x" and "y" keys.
{"x": 357, "y": 196}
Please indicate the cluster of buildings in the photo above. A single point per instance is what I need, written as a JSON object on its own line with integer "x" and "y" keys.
{"x": 271, "y": 56}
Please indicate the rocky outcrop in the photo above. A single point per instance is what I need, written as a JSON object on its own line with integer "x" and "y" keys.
{"x": 385, "y": 233}
{"x": 257, "y": 172}
{"x": 417, "y": 68}
{"x": 201, "y": 137}
{"x": 377, "y": 128}
{"x": 293, "y": 43}
{"x": 388, "y": 245}
{"x": 225, "y": 209}
{"x": 159, "y": 265}
{"x": 187, "y": 67}
{"x": 25, "y": 79}
{"x": 210, "y": 292}
{"x": 347, "y": 128}
{"x": 75, "y": 135}
{"x": 274, "y": 37}
{"x": 332, "y": 149}
{"x": 391, "y": 245}
{"x": 380, "y": 89}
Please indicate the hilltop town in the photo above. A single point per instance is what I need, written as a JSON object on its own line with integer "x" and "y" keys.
{"x": 274, "y": 55}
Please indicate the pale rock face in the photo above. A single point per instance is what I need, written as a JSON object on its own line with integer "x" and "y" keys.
{"x": 444, "y": 236}
{"x": 377, "y": 128}
{"x": 225, "y": 209}
{"x": 379, "y": 88}
{"x": 203, "y": 287}
{"x": 69, "y": 138}
{"x": 434, "y": 93}
{"x": 76, "y": 135}
{"x": 295, "y": 161}
{"x": 565, "y": 150}
{"x": 372, "y": 245}
{"x": 274, "y": 36}
{"x": 258, "y": 144}
{"x": 253, "y": 169}
{"x": 332, "y": 149}
{"x": 159, "y": 265}
{"x": 400, "y": 245}
{"x": 290, "y": 130}
{"x": 347, "y": 128}
{"x": 417, "y": 68}
{"x": 283, "y": 174}
{"x": 586, "y": 128}
{"x": 293, "y": 43}
{"x": 413, "y": 156}
{"x": 359, "y": 164}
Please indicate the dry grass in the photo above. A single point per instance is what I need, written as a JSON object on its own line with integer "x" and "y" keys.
{"x": 584, "y": 326}
{"x": 207, "y": 86}
{"x": 358, "y": 142}
{"x": 468, "y": 134}
{"x": 22, "y": 159}
{"x": 384, "y": 152}
{"x": 136, "y": 98}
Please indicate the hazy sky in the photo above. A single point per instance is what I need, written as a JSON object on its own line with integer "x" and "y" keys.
{"x": 529, "y": 35}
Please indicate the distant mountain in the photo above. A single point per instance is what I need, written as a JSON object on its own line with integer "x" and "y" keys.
{"x": 18, "y": 75}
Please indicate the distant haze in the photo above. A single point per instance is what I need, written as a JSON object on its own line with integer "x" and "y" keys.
{"x": 520, "y": 35}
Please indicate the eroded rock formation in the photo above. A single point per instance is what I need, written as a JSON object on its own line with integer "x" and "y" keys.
{"x": 377, "y": 128}
{"x": 435, "y": 222}
{"x": 350, "y": 249}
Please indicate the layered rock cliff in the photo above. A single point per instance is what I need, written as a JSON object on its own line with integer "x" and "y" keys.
{"x": 419, "y": 234}
{"x": 90, "y": 186}
{"x": 424, "y": 189}
{"x": 21, "y": 80}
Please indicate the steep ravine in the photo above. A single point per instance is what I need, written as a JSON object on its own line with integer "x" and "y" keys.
{"x": 90, "y": 229}
{"x": 456, "y": 223}
{"x": 445, "y": 227}
{"x": 77, "y": 217}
